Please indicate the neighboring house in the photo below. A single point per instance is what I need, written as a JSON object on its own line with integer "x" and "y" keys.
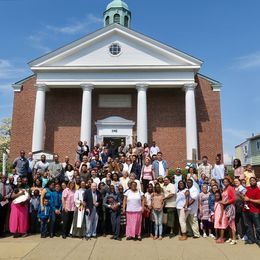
{"x": 249, "y": 152}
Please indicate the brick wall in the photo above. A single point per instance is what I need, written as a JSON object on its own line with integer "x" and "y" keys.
{"x": 166, "y": 123}
{"x": 166, "y": 119}
{"x": 208, "y": 120}
{"x": 22, "y": 120}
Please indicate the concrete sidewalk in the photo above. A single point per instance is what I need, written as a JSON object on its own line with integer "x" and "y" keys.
{"x": 34, "y": 247}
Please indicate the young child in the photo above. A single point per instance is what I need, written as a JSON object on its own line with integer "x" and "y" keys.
{"x": 219, "y": 219}
{"x": 44, "y": 215}
{"x": 242, "y": 191}
{"x": 204, "y": 210}
{"x": 34, "y": 207}
{"x": 45, "y": 179}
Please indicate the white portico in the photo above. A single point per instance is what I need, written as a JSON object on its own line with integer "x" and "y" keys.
{"x": 119, "y": 58}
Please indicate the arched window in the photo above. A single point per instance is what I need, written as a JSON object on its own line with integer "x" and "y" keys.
{"x": 107, "y": 20}
{"x": 126, "y": 21}
{"x": 116, "y": 18}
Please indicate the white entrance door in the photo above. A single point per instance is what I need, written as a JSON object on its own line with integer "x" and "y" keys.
{"x": 114, "y": 126}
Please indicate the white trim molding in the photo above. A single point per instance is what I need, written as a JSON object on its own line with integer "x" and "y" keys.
{"x": 17, "y": 88}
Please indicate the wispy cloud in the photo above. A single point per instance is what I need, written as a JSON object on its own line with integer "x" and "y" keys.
{"x": 240, "y": 134}
{"x": 249, "y": 61}
{"x": 37, "y": 41}
{"x": 42, "y": 39}
{"x": 76, "y": 26}
{"x": 8, "y": 69}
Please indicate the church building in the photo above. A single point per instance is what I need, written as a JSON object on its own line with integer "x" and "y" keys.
{"x": 117, "y": 85}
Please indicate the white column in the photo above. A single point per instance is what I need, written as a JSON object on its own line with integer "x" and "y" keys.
{"x": 38, "y": 123}
{"x": 86, "y": 113}
{"x": 191, "y": 120}
{"x": 4, "y": 164}
{"x": 142, "y": 125}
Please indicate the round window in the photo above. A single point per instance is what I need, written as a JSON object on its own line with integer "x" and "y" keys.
{"x": 115, "y": 49}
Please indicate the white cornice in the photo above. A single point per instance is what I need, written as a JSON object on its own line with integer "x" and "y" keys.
{"x": 138, "y": 67}
{"x": 216, "y": 87}
{"x": 17, "y": 87}
{"x": 118, "y": 84}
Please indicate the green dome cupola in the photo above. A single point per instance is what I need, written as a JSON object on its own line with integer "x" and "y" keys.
{"x": 117, "y": 12}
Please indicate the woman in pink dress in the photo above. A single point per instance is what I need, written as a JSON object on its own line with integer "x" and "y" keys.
{"x": 69, "y": 207}
{"x": 238, "y": 169}
{"x": 220, "y": 220}
{"x": 19, "y": 215}
{"x": 133, "y": 206}
{"x": 147, "y": 174}
{"x": 229, "y": 212}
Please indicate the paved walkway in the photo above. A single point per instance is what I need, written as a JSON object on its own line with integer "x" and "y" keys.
{"x": 103, "y": 248}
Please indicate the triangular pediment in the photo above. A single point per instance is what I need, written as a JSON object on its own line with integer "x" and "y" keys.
{"x": 115, "y": 120}
{"x": 136, "y": 50}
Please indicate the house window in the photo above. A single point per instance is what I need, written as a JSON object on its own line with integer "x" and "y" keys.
{"x": 115, "y": 49}
{"x": 107, "y": 20}
{"x": 245, "y": 150}
{"x": 258, "y": 146}
{"x": 126, "y": 21}
{"x": 116, "y": 18}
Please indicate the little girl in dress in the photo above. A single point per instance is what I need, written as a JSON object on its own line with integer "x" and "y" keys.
{"x": 219, "y": 218}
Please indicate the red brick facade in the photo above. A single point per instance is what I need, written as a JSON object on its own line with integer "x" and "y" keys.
{"x": 166, "y": 119}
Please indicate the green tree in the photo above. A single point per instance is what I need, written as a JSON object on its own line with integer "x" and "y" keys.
{"x": 5, "y": 135}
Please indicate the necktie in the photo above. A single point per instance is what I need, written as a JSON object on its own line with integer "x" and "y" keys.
{"x": 94, "y": 198}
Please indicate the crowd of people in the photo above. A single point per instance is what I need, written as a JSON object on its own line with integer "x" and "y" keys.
{"x": 129, "y": 191}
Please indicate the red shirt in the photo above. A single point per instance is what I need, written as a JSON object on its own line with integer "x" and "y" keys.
{"x": 255, "y": 195}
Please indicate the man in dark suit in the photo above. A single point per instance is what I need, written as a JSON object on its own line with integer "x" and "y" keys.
{"x": 5, "y": 195}
{"x": 92, "y": 201}
{"x": 136, "y": 168}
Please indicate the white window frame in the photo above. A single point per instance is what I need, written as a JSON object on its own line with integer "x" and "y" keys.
{"x": 258, "y": 145}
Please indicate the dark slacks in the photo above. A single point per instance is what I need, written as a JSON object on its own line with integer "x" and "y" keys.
{"x": 145, "y": 184}
{"x": 55, "y": 224}
{"x": 44, "y": 227}
{"x": 3, "y": 215}
{"x": 240, "y": 226}
{"x": 252, "y": 220}
{"x": 67, "y": 218}
{"x": 115, "y": 221}
{"x": 34, "y": 224}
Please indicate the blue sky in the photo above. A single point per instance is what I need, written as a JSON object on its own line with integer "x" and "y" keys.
{"x": 224, "y": 34}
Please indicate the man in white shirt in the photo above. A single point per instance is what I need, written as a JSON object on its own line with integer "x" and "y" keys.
{"x": 160, "y": 166}
{"x": 219, "y": 172}
{"x": 192, "y": 218}
{"x": 170, "y": 203}
{"x": 94, "y": 177}
{"x": 66, "y": 162}
{"x": 205, "y": 168}
{"x": 127, "y": 166}
{"x": 154, "y": 149}
{"x": 85, "y": 161}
